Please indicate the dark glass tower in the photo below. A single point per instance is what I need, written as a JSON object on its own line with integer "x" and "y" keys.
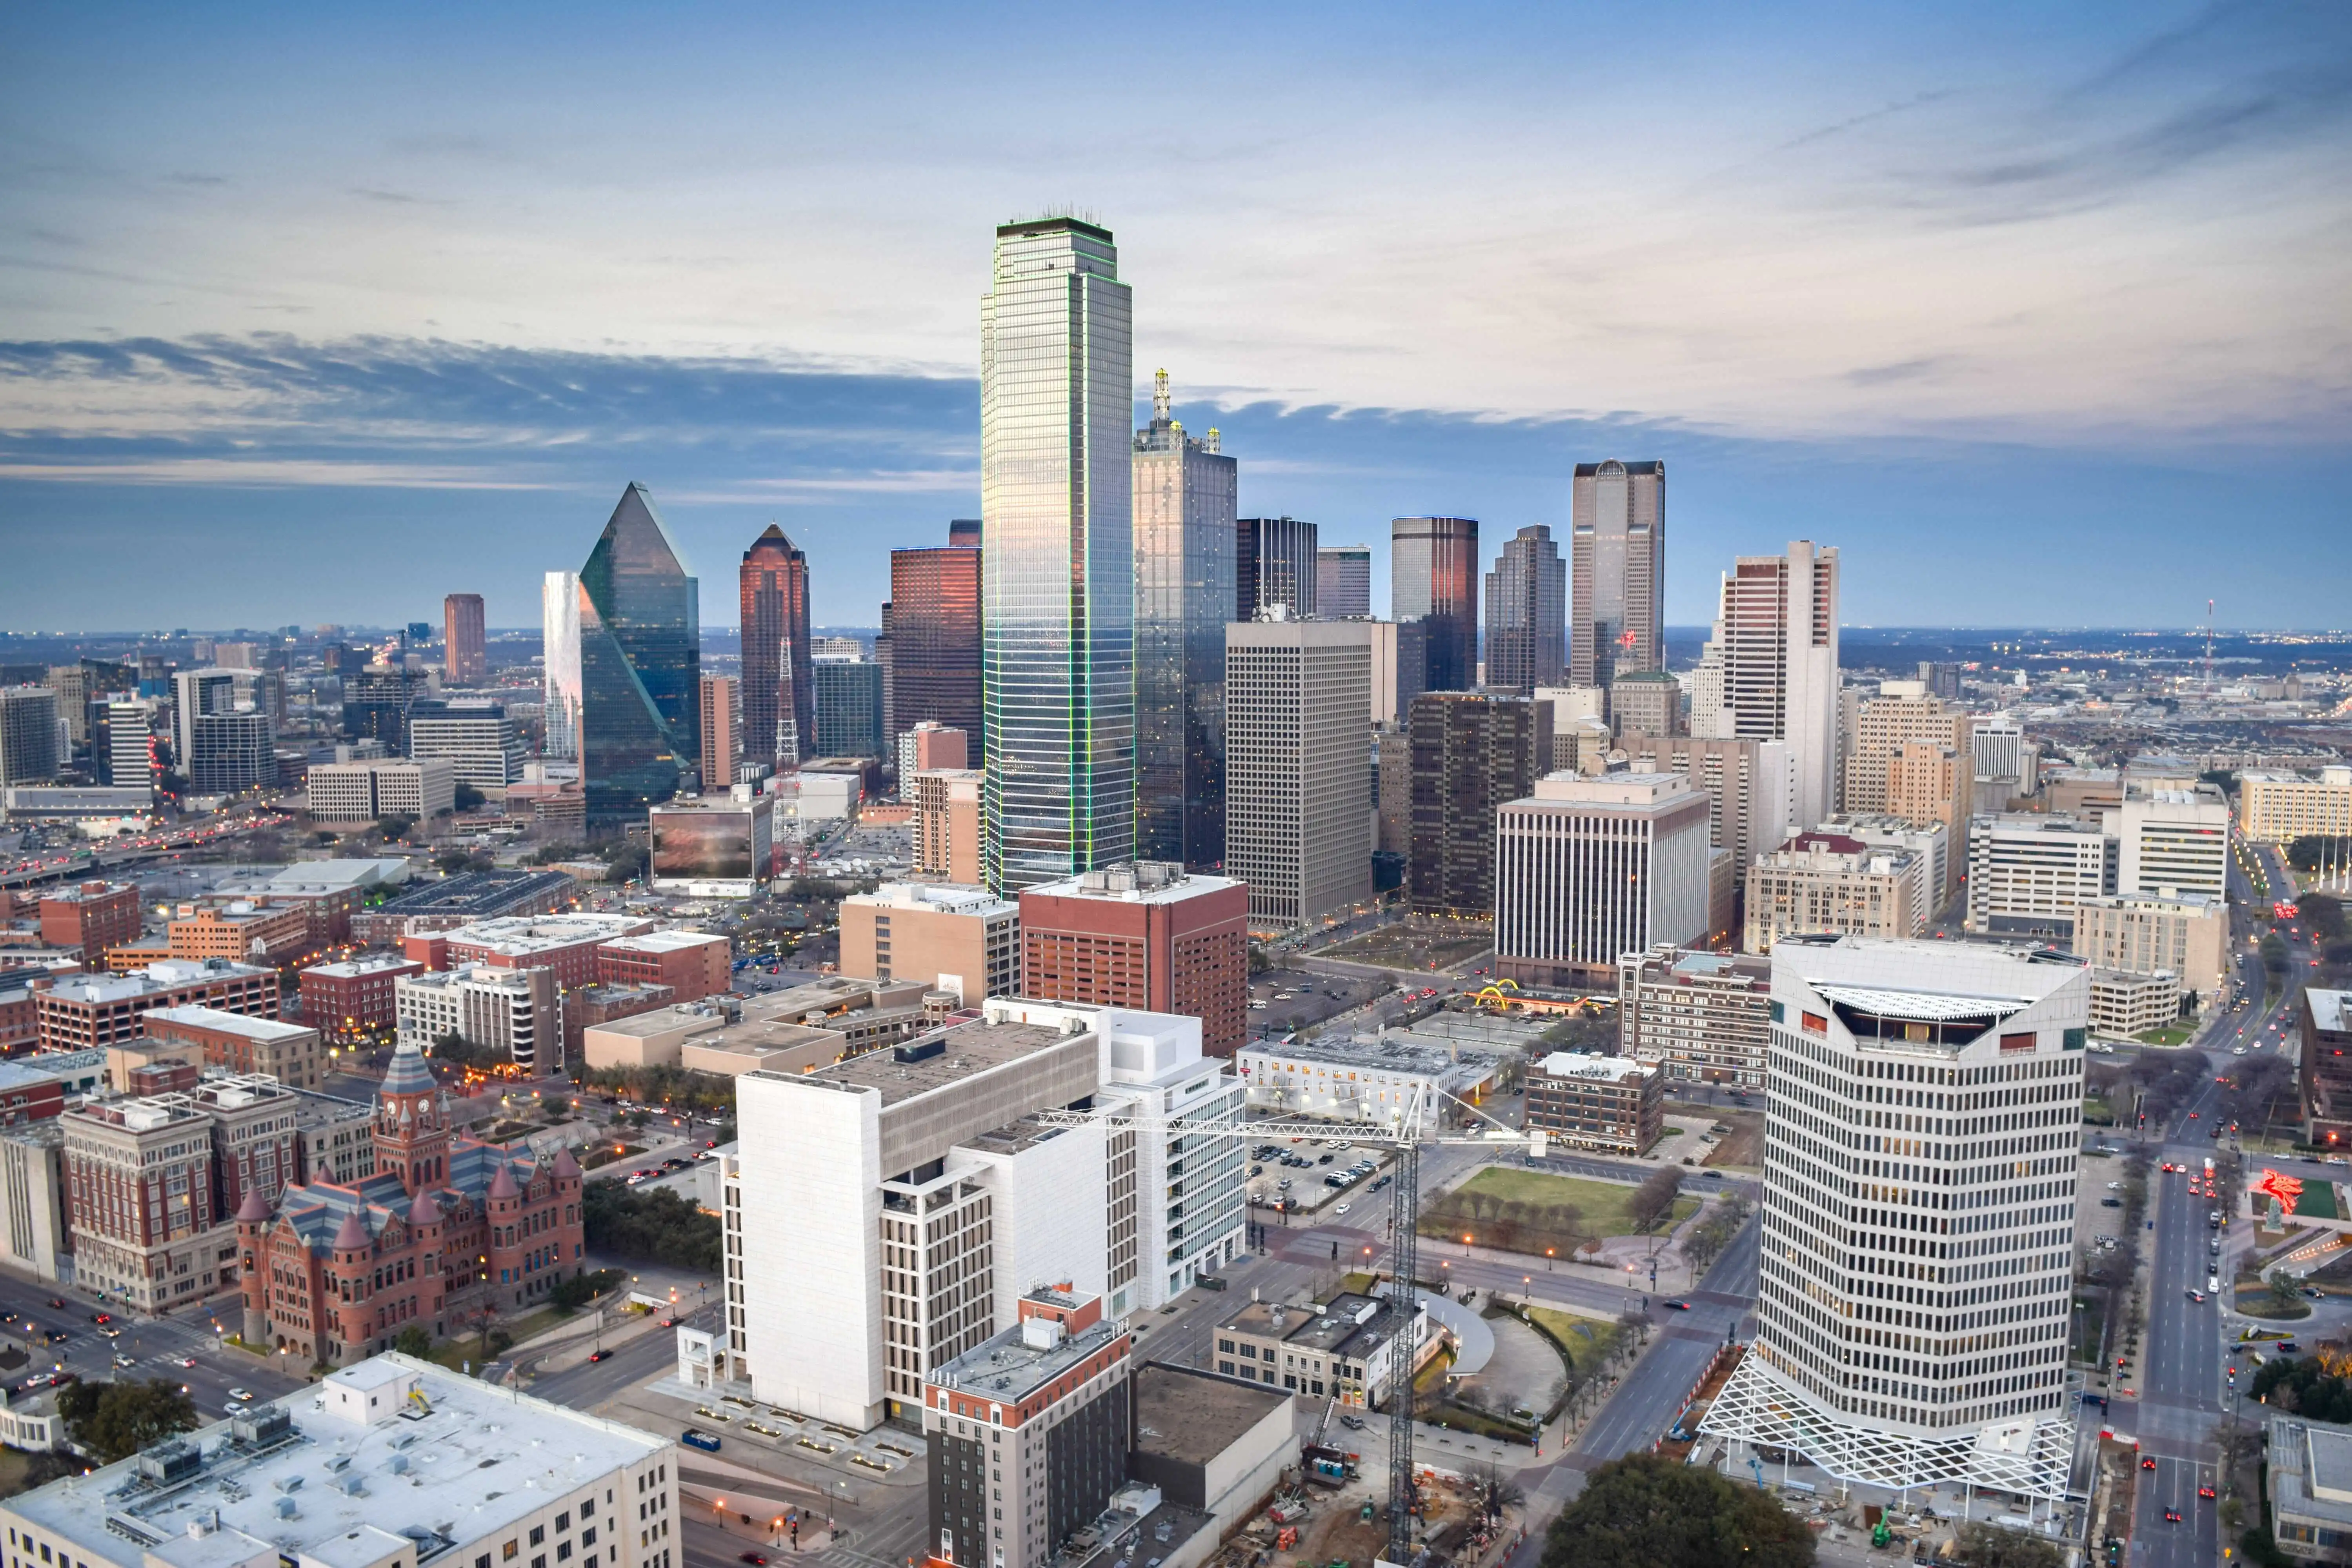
{"x": 1274, "y": 563}
{"x": 640, "y": 665}
{"x": 1526, "y": 613}
{"x": 1433, "y": 578}
{"x": 778, "y": 700}
{"x": 1617, "y": 548}
{"x": 1184, "y": 533}
{"x": 935, "y": 642}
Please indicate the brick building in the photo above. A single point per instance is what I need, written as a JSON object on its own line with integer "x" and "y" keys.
{"x": 1589, "y": 1101}
{"x": 241, "y": 932}
{"x": 353, "y": 1000}
{"x": 82, "y": 1011}
{"x": 566, "y": 944}
{"x": 92, "y": 917}
{"x": 692, "y": 964}
{"x": 1145, "y": 935}
{"x": 287, "y": 1052}
{"x": 447, "y": 1230}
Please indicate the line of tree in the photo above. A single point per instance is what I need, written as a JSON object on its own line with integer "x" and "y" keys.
{"x": 703, "y": 1092}
{"x": 2313, "y": 850}
{"x": 650, "y": 1226}
{"x": 1706, "y": 1241}
{"x": 114, "y": 1420}
{"x": 1653, "y": 1200}
{"x": 458, "y": 1051}
{"x": 1647, "y": 1508}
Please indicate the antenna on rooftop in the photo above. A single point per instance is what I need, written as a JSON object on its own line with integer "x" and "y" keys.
{"x": 1160, "y": 398}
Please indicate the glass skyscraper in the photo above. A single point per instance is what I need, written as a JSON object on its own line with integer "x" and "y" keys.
{"x": 934, "y": 670}
{"x": 1526, "y": 613}
{"x": 1057, "y": 566}
{"x": 1274, "y": 563}
{"x": 1617, "y": 548}
{"x": 559, "y": 610}
{"x": 1184, "y": 531}
{"x": 1433, "y": 579}
{"x": 778, "y": 700}
{"x": 640, "y": 665}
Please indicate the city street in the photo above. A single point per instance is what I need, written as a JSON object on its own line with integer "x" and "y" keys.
{"x": 155, "y": 1346}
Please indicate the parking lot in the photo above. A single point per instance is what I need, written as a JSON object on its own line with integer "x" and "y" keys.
{"x": 1281, "y": 1000}
{"x": 1292, "y": 1176}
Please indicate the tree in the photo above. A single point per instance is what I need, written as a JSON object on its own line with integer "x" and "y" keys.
{"x": 655, "y": 1225}
{"x": 115, "y": 1420}
{"x": 395, "y": 825}
{"x": 452, "y": 861}
{"x": 1983, "y": 1545}
{"x": 414, "y": 1340}
{"x": 469, "y": 797}
{"x": 1654, "y": 1198}
{"x": 2323, "y": 914}
{"x": 1658, "y": 1512}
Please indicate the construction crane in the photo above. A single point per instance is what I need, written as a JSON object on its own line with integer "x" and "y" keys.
{"x": 1417, "y": 1121}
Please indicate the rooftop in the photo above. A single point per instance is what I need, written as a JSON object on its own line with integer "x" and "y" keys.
{"x": 1588, "y": 1065}
{"x": 470, "y": 892}
{"x": 1193, "y": 1416}
{"x": 521, "y": 936}
{"x": 1322, "y": 1327}
{"x": 665, "y": 941}
{"x": 949, "y": 1058}
{"x": 370, "y": 963}
{"x": 1017, "y": 1363}
{"x": 229, "y": 1023}
{"x": 1636, "y": 791}
{"x": 1385, "y": 1056}
{"x": 342, "y": 1474}
{"x": 1135, "y": 882}
{"x": 2330, "y": 1010}
{"x": 168, "y": 974}
{"x": 948, "y": 898}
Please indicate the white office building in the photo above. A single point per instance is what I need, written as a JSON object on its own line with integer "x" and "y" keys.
{"x": 361, "y": 792}
{"x": 1298, "y": 795}
{"x": 2279, "y": 807}
{"x": 1922, "y": 1133}
{"x": 2028, "y": 872}
{"x": 558, "y": 609}
{"x": 1589, "y": 868}
{"x": 391, "y": 1463}
{"x": 478, "y": 740}
{"x": 2172, "y": 840}
{"x": 885, "y": 1214}
{"x": 1778, "y": 638}
{"x": 29, "y": 752}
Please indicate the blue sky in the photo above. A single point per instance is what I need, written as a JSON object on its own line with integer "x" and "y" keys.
{"x": 2039, "y": 312}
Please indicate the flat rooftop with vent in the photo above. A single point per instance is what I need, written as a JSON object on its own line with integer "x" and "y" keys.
{"x": 392, "y": 1463}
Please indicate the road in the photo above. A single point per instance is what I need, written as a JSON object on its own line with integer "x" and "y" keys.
{"x": 155, "y": 1346}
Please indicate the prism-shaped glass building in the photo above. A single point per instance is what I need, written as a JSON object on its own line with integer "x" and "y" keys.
{"x": 640, "y": 666}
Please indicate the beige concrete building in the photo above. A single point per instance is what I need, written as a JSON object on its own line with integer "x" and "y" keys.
{"x": 2185, "y": 934}
{"x": 807, "y": 1026}
{"x": 33, "y": 1197}
{"x": 947, "y": 824}
{"x": 2030, "y": 872}
{"x": 1749, "y": 784}
{"x": 519, "y": 1011}
{"x": 287, "y": 1052}
{"x": 1828, "y": 882}
{"x": 962, "y": 940}
{"x": 2172, "y": 838}
{"x": 1929, "y": 784}
{"x": 2124, "y": 1005}
{"x": 1350, "y": 1348}
{"x": 2279, "y": 808}
{"x": 1901, "y": 711}
{"x": 1697, "y": 1017}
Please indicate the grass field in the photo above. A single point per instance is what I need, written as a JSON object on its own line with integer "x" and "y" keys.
{"x": 2166, "y": 1037}
{"x": 1588, "y": 1339}
{"x": 1403, "y": 947}
{"x": 1530, "y": 1211}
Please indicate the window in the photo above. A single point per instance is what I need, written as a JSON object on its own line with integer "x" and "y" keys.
{"x": 538, "y": 1535}
{"x": 506, "y": 1553}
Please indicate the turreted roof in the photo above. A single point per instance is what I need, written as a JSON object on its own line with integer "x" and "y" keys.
{"x": 255, "y": 1209}
{"x": 425, "y": 1211}
{"x": 352, "y": 1235}
{"x": 408, "y": 1075}
{"x": 565, "y": 1167}
{"x": 502, "y": 1185}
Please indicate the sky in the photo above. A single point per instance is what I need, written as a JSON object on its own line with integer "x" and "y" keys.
{"x": 2042, "y": 314}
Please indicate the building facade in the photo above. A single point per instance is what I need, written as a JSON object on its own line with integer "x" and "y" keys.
{"x": 464, "y": 640}
{"x": 2280, "y": 807}
{"x": 779, "y": 695}
{"x": 2186, "y": 936}
{"x": 1299, "y": 755}
{"x": 1350, "y": 1348}
{"x": 559, "y": 613}
{"x": 86, "y": 1012}
{"x": 2173, "y": 840}
{"x": 959, "y": 938}
{"x": 1828, "y": 882}
{"x": 2029, "y": 873}
{"x": 1696, "y": 1017}
{"x": 951, "y": 825}
{"x": 1590, "y": 1101}
{"x": 935, "y": 641}
{"x": 1526, "y": 613}
{"x": 640, "y": 665}
{"x": 361, "y": 792}
{"x": 1617, "y": 550}
{"x": 478, "y": 740}
{"x": 1343, "y": 581}
{"x": 2327, "y": 1075}
{"x": 236, "y": 1043}
{"x": 1434, "y": 583}
{"x": 1780, "y": 643}
{"x": 1057, "y": 476}
{"x": 1148, "y": 935}
{"x": 351, "y": 1000}
{"x": 1749, "y": 785}
{"x": 518, "y": 1011}
{"x": 1470, "y": 755}
{"x": 1276, "y": 562}
{"x": 91, "y": 915}
{"x": 1586, "y": 870}
{"x": 28, "y": 735}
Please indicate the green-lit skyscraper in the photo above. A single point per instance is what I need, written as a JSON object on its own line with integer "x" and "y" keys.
{"x": 1057, "y": 566}
{"x": 640, "y": 665}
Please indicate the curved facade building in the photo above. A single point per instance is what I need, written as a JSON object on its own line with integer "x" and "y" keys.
{"x": 1433, "y": 579}
{"x": 779, "y": 678}
{"x": 640, "y": 665}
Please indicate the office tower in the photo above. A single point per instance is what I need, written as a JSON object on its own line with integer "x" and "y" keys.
{"x": 1704, "y": 693}
{"x": 779, "y": 691}
{"x": 1931, "y": 842}
{"x": 1410, "y": 667}
{"x": 1433, "y": 579}
{"x": 1903, "y": 710}
{"x": 2173, "y": 841}
{"x": 895, "y": 1205}
{"x": 361, "y": 792}
{"x": 1821, "y": 881}
{"x": 1298, "y": 764}
{"x": 1922, "y": 1123}
{"x": 1617, "y": 542}
{"x": 1343, "y": 581}
{"x": 964, "y": 532}
{"x": 466, "y": 649}
{"x": 123, "y": 746}
{"x": 376, "y": 702}
{"x": 1274, "y": 563}
{"x": 478, "y": 739}
{"x": 1526, "y": 613}
{"x": 928, "y": 747}
{"x": 1930, "y": 784}
{"x": 195, "y": 692}
{"x": 934, "y": 668}
{"x": 1057, "y": 386}
{"x": 2008, "y": 765}
{"x": 71, "y": 683}
{"x": 1645, "y": 701}
{"x": 1588, "y": 869}
{"x": 1472, "y": 753}
{"x": 2185, "y": 935}
{"x": 848, "y": 707}
{"x": 559, "y": 609}
{"x": 1780, "y": 643}
{"x": 722, "y": 731}
{"x": 1147, "y": 934}
{"x": 2029, "y": 872}
{"x": 640, "y": 665}
{"x": 231, "y": 751}
{"x": 28, "y": 735}
{"x": 1697, "y": 1017}
{"x": 1184, "y": 592}
{"x": 963, "y": 941}
{"x": 1747, "y": 782}
{"x": 950, "y": 841}
{"x": 1941, "y": 679}
{"x": 2280, "y": 807}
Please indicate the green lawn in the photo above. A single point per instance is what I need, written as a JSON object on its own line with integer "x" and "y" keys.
{"x": 2165, "y": 1038}
{"x": 2317, "y": 1201}
{"x": 1588, "y": 1339}
{"x": 1529, "y": 1211}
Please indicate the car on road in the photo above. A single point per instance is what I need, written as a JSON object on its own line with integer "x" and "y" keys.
{"x": 2197, "y": 1296}
{"x": 240, "y": 1395}
{"x": 694, "y": 1438}
{"x": 187, "y": 1361}
{"x": 2204, "y": 1491}
{"x": 1678, "y": 1306}
{"x": 597, "y": 1356}
{"x": 1343, "y": 1209}
{"x": 2336, "y": 1160}
{"x": 1352, "y": 1423}
{"x": 2172, "y": 1516}
{"x": 753, "y": 1558}
{"x": 2237, "y": 1050}
{"x": 2148, "y": 1463}
{"x": 101, "y": 1317}
{"x": 2111, "y": 1203}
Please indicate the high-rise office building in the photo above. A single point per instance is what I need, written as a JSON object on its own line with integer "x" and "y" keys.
{"x": 230, "y": 751}
{"x": 466, "y": 654}
{"x": 1526, "y": 613}
{"x": 928, "y": 746}
{"x": 1343, "y": 581}
{"x": 1617, "y": 545}
{"x": 28, "y": 735}
{"x": 964, "y": 532}
{"x": 933, "y": 673}
{"x": 475, "y": 738}
{"x": 1588, "y": 869}
{"x": 1472, "y": 753}
{"x": 376, "y": 701}
{"x": 1184, "y": 592}
{"x": 2173, "y": 840}
{"x": 1923, "y": 1129}
{"x": 1647, "y": 702}
{"x": 640, "y": 665}
{"x": 779, "y": 692}
{"x": 1747, "y": 783}
{"x": 1903, "y": 710}
{"x": 195, "y": 692}
{"x": 1276, "y": 562}
{"x": 1147, "y": 934}
{"x": 1433, "y": 580}
{"x": 722, "y": 731}
{"x": 948, "y": 823}
{"x": 559, "y": 611}
{"x": 1780, "y": 643}
{"x": 1056, "y": 471}
{"x": 122, "y": 745}
{"x": 2028, "y": 872}
{"x": 1298, "y": 765}
{"x": 848, "y": 707}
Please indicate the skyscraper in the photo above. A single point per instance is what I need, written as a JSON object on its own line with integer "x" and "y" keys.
{"x": 1780, "y": 643}
{"x": 559, "y": 613}
{"x": 722, "y": 731}
{"x": 640, "y": 665}
{"x": 1274, "y": 563}
{"x": 1526, "y": 613}
{"x": 28, "y": 735}
{"x": 1472, "y": 754}
{"x": 465, "y": 650}
{"x": 1058, "y": 565}
{"x": 1297, "y": 695}
{"x": 1433, "y": 579}
{"x": 1184, "y": 534}
{"x": 848, "y": 707}
{"x": 1617, "y": 611}
{"x": 1343, "y": 581}
{"x": 778, "y": 700}
{"x": 964, "y": 531}
{"x": 934, "y": 668}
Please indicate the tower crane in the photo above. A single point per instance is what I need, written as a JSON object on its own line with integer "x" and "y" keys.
{"x": 1405, "y": 1127}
